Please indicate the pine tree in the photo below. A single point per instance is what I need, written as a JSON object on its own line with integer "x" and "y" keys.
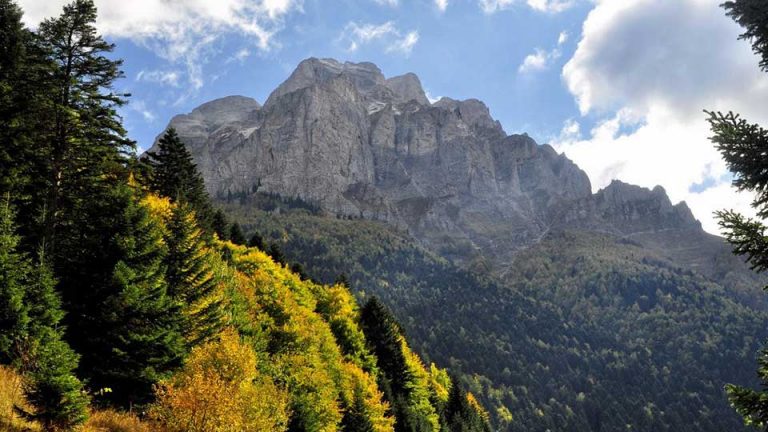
{"x": 460, "y": 415}
{"x": 236, "y": 235}
{"x": 135, "y": 339}
{"x": 85, "y": 140}
{"x": 257, "y": 241}
{"x": 744, "y": 147}
{"x": 14, "y": 41}
{"x": 191, "y": 280}
{"x": 175, "y": 175}
{"x": 276, "y": 253}
{"x": 31, "y": 338}
{"x": 355, "y": 418}
{"x": 219, "y": 225}
{"x": 14, "y": 317}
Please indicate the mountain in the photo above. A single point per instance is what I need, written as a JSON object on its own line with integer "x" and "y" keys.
{"x": 565, "y": 309}
{"x": 345, "y": 138}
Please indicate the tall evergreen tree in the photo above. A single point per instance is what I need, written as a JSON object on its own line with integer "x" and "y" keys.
{"x": 175, "y": 175}
{"x": 85, "y": 140}
{"x": 219, "y": 225}
{"x": 236, "y": 235}
{"x": 355, "y": 418}
{"x": 257, "y": 241}
{"x": 137, "y": 336}
{"x": 14, "y": 319}
{"x": 460, "y": 415}
{"x": 31, "y": 338}
{"x": 744, "y": 147}
{"x": 191, "y": 280}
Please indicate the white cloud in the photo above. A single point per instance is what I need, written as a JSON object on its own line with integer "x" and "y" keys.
{"x": 140, "y": 107}
{"x": 405, "y": 44}
{"x": 541, "y": 59}
{"x": 170, "y": 78}
{"x": 648, "y": 68}
{"x": 548, "y": 6}
{"x": 180, "y": 31}
{"x": 240, "y": 55}
{"x": 390, "y": 3}
{"x": 442, "y": 5}
{"x": 355, "y": 35}
{"x": 537, "y": 61}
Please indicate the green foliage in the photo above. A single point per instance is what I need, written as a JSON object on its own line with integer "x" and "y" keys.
{"x": 138, "y": 337}
{"x": 460, "y": 415}
{"x": 30, "y": 338}
{"x": 752, "y": 15}
{"x": 85, "y": 140}
{"x": 236, "y": 235}
{"x": 14, "y": 269}
{"x": 585, "y": 333}
{"x": 219, "y": 224}
{"x": 743, "y": 146}
{"x": 190, "y": 277}
{"x": 174, "y": 175}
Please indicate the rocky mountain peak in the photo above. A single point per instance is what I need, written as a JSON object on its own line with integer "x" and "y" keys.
{"x": 408, "y": 87}
{"x": 365, "y": 76}
{"x": 345, "y": 138}
{"x": 634, "y": 208}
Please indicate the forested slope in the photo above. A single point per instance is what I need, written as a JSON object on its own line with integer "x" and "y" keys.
{"x": 590, "y": 332}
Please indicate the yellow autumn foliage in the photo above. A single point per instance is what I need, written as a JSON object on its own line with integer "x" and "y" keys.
{"x": 220, "y": 389}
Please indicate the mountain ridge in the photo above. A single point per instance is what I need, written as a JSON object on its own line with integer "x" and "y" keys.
{"x": 355, "y": 143}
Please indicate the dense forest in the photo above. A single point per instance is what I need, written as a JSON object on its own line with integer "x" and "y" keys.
{"x": 127, "y": 302}
{"x": 591, "y": 332}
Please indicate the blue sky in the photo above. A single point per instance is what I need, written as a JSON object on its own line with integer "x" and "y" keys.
{"x": 618, "y": 85}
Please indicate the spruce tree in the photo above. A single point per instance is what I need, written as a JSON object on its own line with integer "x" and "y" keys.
{"x": 744, "y": 147}
{"x": 236, "y": 235}
{"x": 85, "y": 140}
{"x": 460, "y": 415}
{"x": 355, "y": 418}
{"x": 175, "y": 175}
{"x": 137, "y": 339}
{"x": 14, "y": 319}
{"x": 31, "y": 337}
{"x": 219, "y": 225}
{"x": 191, "y": 281}
{"x": 257, "y": 241}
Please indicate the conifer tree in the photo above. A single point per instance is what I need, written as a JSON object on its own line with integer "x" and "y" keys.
{"x": 85, "y": 140}
{"x": 460, "y": 415}
{"x": 31, "y": 338}
{"x": 14, "y": 41}
{"x": 257, "y": 241}
{"x": 236, "y": 235}
{"x": 175, "y": 175}
{"x": 219, "y": 225}
{"x": 744, "y": 147}
{"x": 135, "y": 339}
{"x": 355, "y": 418}
{"x": 14, "y": 319}
{"x": 191, "y": 281}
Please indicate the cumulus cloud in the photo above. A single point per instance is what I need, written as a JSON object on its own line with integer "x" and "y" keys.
{"x": 548, "y": 6}
{"x": 180, "y": 31}
{"x": 646, "y": 69}
{"x": 355, "y": 35}
{"x": 442, "y": 5}
{"x": 541, "y": 59}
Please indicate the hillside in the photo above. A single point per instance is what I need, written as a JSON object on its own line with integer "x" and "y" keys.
{"x": 590, "y": 332}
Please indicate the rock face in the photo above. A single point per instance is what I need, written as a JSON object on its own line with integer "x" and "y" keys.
{"x": 344, "y": 137}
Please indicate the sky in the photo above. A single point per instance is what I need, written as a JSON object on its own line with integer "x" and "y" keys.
{"x": 619, "y": 86}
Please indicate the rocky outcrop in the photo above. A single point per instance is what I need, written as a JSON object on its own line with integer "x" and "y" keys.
{"x": 344, "y": 137}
